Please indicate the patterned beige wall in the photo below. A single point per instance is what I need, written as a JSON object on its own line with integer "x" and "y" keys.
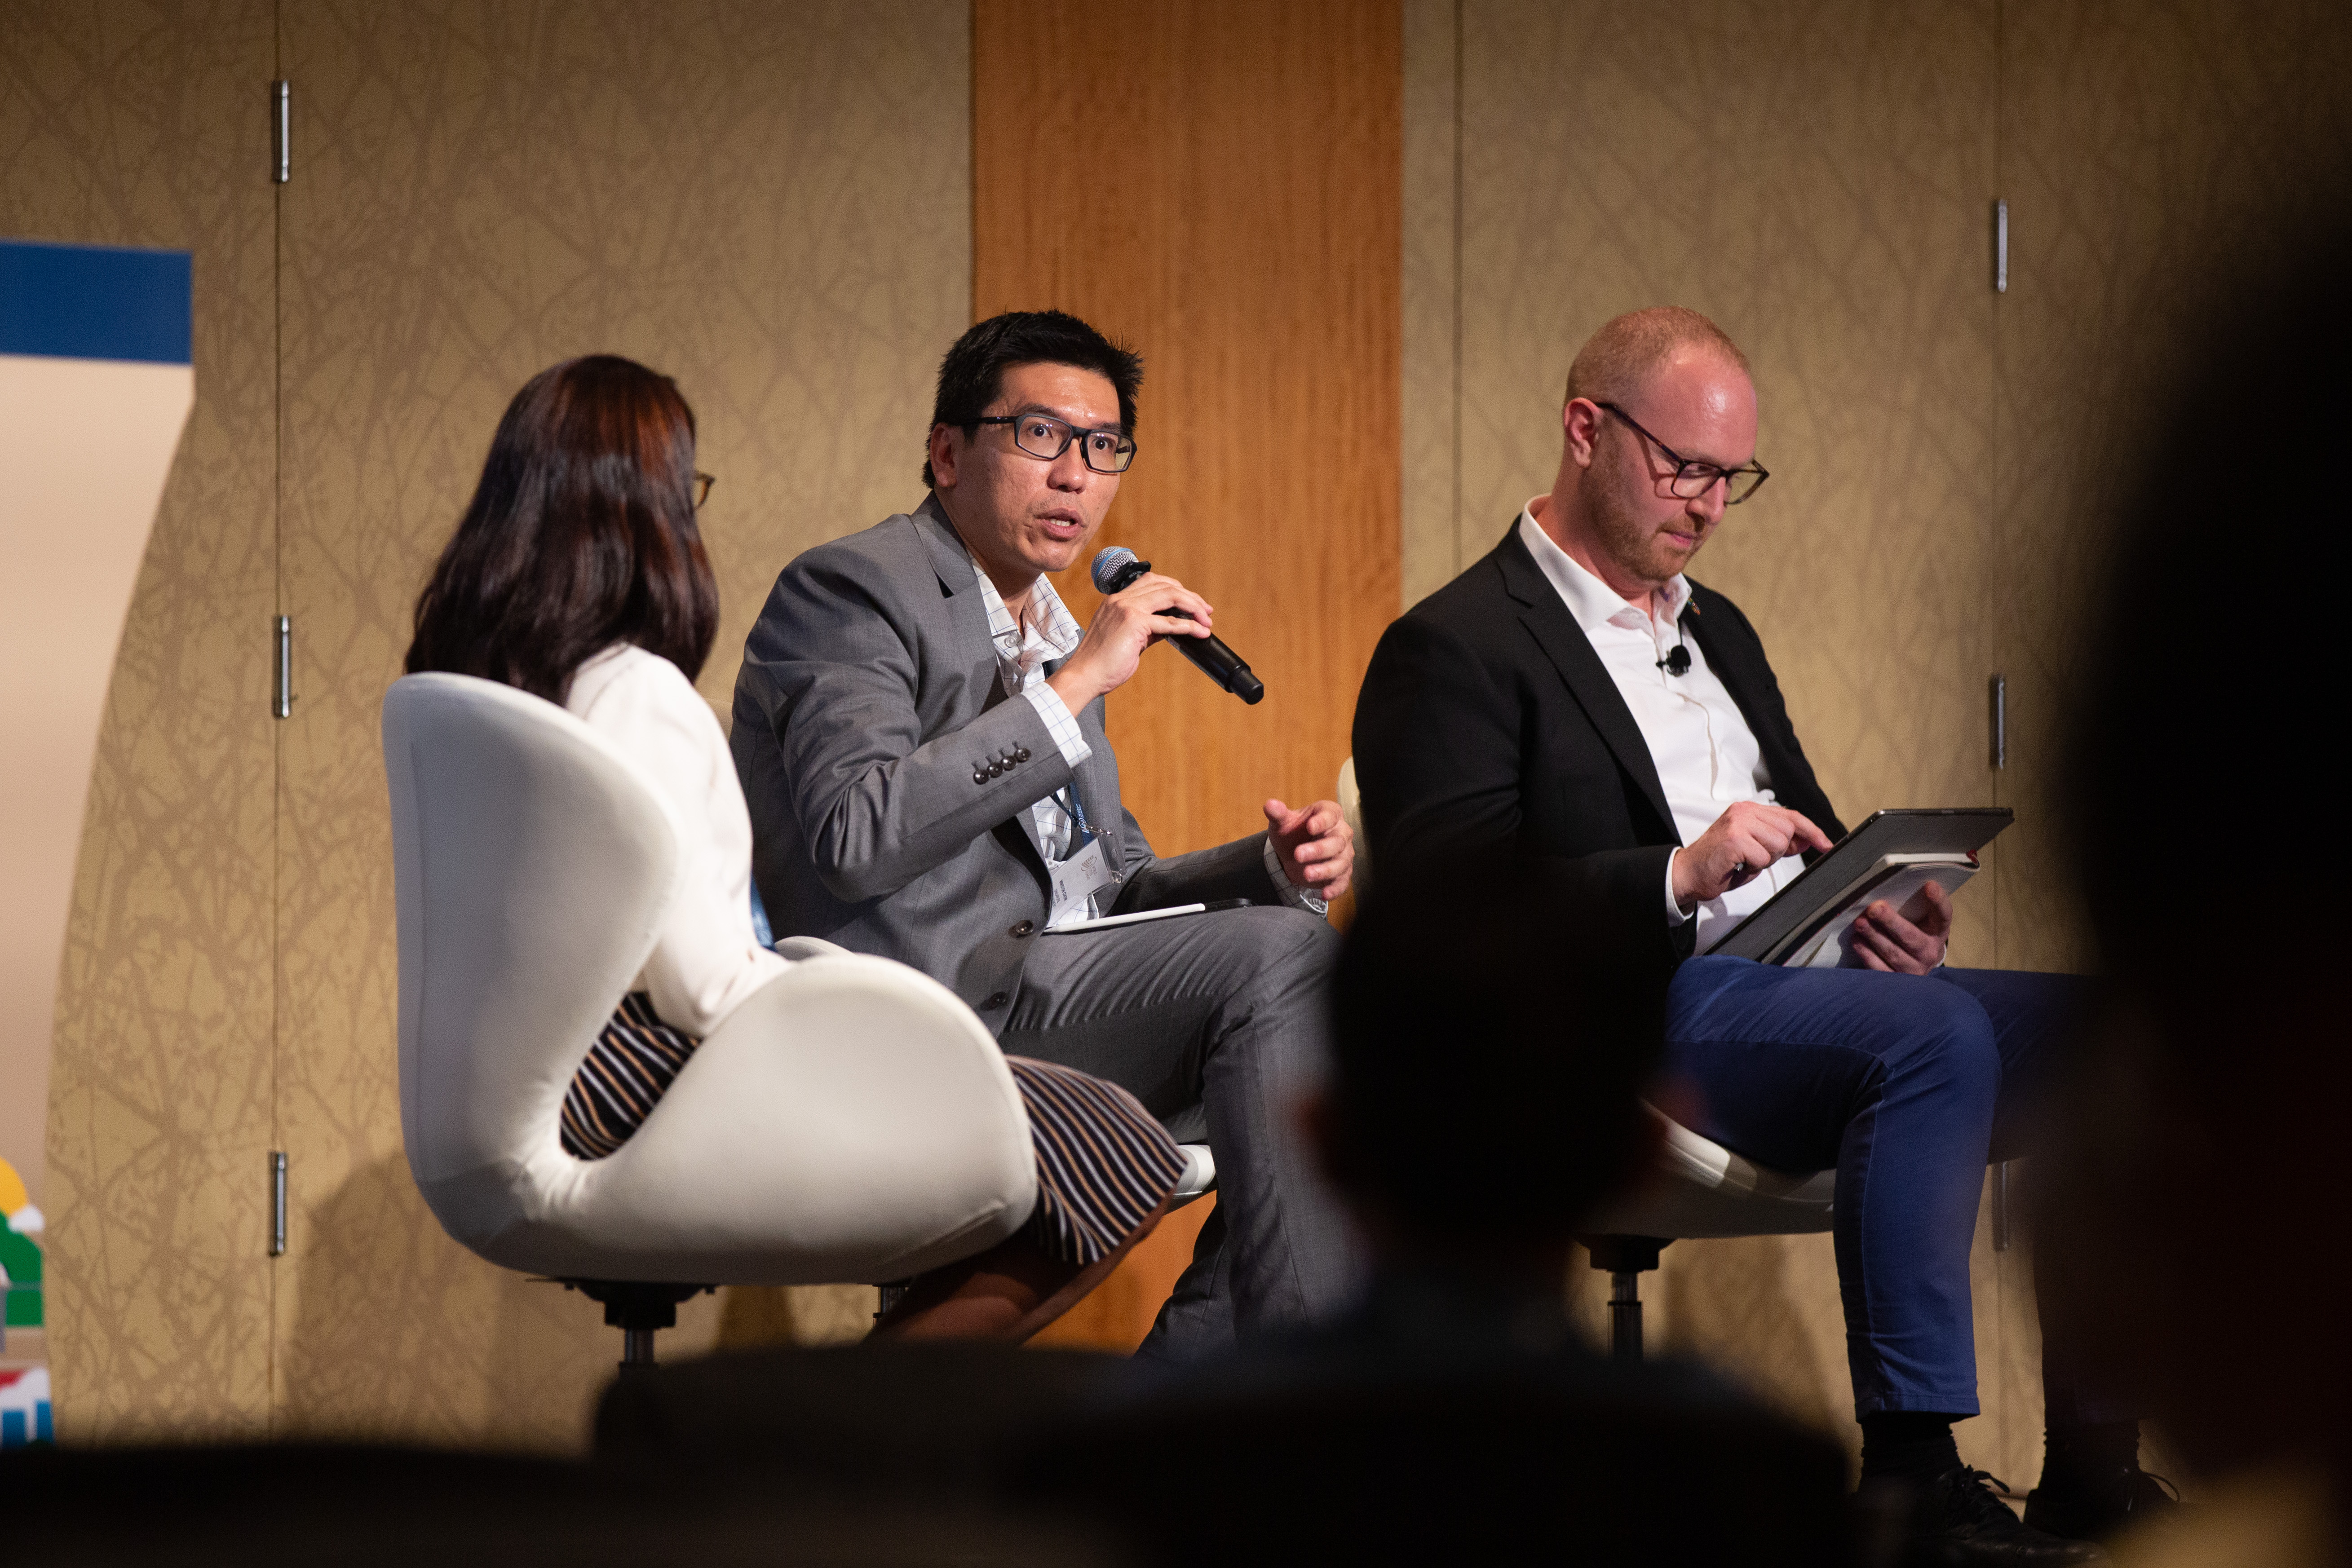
{"x": 2153, "y": 157}
{"x": 769, "y": 203}
{"x": 135, "y": 124}
{"x": 2150, "y": 152}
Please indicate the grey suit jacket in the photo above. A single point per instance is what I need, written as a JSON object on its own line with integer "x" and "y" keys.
{"x": 866, "y": 717}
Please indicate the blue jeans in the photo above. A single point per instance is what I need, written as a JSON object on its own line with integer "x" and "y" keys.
{"x": 1908, "y": 1084}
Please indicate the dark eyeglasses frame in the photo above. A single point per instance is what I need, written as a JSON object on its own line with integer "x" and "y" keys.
{"x": 702, "y": 483}
{"x": 1688, "y": 469}
{"x": 1126, "y": 442}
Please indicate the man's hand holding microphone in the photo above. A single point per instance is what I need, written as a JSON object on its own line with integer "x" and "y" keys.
{"x": 1124, "y": 624}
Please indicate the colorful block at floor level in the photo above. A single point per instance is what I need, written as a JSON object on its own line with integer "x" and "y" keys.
{"x": 25, "y": 1407}
{"x": 20, "y": 1278}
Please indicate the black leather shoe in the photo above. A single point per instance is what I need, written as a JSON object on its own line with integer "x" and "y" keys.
{"x": 2098, "y": 1508}
{"x": 1957, "y": 1522}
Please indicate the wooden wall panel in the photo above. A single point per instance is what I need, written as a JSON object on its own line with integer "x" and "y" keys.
{"x": 768, "y": 203}
{"x": 127, "y": 123}
{"x": 1215, "y": 182}
{"x": 1119, "y": 1314}
{"x": 1245, "y": 241}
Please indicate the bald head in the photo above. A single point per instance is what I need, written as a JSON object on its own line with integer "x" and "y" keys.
{"x": 1681, "y": 395}
{"x": 1619, "y": 359}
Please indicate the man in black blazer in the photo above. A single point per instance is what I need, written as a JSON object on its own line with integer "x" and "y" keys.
{"x": 1575, "y": 695}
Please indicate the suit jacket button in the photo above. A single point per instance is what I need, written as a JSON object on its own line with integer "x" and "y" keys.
{"x": 1022, "y": 755}
{"x": 995, "y": 770}
{"x": 979, "y": 775}
{"x": 995, "y": 999}
{"x": 1024, "y": 928}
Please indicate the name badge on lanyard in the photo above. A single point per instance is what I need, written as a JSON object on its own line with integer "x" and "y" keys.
{"x": 1077, "y": 879}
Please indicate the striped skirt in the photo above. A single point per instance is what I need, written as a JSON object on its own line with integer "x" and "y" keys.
{"x": 1104, "y": 1163}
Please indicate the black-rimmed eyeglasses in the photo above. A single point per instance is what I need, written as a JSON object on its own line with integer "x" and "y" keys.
{"x": 1694, "y": 479}
{"x": 1043, "y": 436}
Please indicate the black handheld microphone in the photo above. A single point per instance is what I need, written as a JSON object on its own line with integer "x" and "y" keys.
{"x": 1117, "y": 567}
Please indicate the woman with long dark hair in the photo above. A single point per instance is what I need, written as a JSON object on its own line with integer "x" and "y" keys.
{"x": 578, "y": 574}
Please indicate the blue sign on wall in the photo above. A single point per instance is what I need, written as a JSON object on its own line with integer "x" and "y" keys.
{"x": 91, "y": 302}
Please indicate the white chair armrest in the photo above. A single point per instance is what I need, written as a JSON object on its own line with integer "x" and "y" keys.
{"x": 1200, "y": 1177}
{"x": 852, "y": 1121}
{"x": 1696, "y": 1187}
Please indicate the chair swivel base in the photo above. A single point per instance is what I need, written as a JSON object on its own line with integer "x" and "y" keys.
{"x": 1625, "y": 1258}
{"x": 638, "y": 1309}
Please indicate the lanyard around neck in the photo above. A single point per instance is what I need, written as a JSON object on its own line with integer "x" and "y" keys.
{"x": 1067, "y": 797}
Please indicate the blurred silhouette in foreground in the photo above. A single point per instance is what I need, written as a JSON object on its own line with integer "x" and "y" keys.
{"x": 2198, "y": 1194}
{"x": 296, "y": 1504}
{"x": 1492, "y": 1036}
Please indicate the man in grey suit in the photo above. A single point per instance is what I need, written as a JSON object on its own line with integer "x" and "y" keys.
{"x": 919, "y": 724}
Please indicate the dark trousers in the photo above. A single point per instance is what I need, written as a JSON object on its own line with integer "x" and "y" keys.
{"x": 1908, "y": 1085}
{"x": 1216, "y": 1023}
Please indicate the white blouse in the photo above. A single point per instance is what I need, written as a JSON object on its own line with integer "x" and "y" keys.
{"x": 706, "y": 961}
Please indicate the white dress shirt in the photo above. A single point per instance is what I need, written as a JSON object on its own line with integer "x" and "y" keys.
{"x": 1706, "y": 757}
{"x": 1050, "y": 632}
{"x": 706, "y": 961}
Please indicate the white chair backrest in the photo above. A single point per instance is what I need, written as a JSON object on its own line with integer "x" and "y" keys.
{"x": 851, "y": 1120}
{"x": 533, "y": 865}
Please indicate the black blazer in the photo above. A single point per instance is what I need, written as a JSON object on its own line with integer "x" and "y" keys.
{"x": 1487, "y": 718}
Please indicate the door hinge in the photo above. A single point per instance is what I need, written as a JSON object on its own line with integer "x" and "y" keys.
{"x": 281, "y": 701}
{"x": 2000, "y": 720}
{"x": 281, "y": 131}
{"x": 277, "y": 1204}
{"x": 2000, "y": 248}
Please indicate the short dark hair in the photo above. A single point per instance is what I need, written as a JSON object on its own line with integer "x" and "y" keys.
{"x": 580, "y": 535}
{"x": 1493, "y": 1028}
{"x": 973, "y": 374}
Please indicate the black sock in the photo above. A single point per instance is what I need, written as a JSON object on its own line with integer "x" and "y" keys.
{"x": 2088, "y": 1452}
{"x": 1909, "y": 1445}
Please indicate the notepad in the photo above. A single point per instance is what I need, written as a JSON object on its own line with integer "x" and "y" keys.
{"x": 1810, "y": 923}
